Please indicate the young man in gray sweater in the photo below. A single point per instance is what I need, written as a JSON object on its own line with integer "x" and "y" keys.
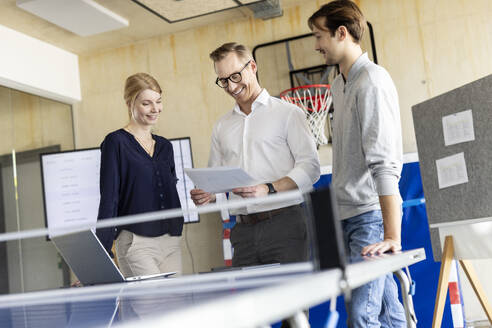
{"x": 367, "y": 157}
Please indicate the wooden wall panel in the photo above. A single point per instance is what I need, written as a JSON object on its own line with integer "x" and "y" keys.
{"x": 457, "y": 43}
{"x": 56, "y": 124}
{"x": 6, "y": 122}
{"x": 28, "y": 122}
{"x": 27, "y": 117}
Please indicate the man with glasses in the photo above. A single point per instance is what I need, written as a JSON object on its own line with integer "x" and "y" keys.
{"x": 270, "y": 140}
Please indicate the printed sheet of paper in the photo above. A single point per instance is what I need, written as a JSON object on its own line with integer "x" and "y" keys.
{"x": 451, "y": 170}
{"x": 220, "y": 179}
{"x": 458, "y": 128}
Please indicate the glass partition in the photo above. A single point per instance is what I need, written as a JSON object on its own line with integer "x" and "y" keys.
{"x": 30, "y": 125}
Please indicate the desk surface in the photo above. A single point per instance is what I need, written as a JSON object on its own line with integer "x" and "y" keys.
{"x": 270, "y": 293}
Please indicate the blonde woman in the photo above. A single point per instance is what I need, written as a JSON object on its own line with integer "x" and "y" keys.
{"x": 138, "y": 176}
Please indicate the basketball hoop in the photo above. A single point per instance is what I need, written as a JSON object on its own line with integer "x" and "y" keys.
{"x": 314, "y": 100}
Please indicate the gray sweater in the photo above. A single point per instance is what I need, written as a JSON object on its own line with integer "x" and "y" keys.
{"x": 367, "y": 146}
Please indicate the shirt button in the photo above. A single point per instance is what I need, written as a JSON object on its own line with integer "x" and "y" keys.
{"x": 157, "y": 172}
{"x": 161, "y": 195}
{"x": 162, "y": 207}
{"x": 159, "y": 184}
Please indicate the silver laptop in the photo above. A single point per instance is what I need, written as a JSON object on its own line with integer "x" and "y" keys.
{"x": 90, "y": 262}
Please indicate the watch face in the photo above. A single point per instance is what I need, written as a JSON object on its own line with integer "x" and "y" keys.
{"x": 271, "y": 189}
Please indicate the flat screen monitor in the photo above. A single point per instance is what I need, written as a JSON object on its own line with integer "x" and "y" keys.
{"x": 183, "y": 159}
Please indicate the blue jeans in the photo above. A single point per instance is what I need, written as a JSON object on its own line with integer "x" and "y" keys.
{"x": 376, "y": 303}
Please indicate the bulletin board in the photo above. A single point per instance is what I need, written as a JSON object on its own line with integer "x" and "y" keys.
{"x": 454, "y": 138}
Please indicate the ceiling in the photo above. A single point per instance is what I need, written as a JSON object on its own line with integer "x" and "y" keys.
{"x": 177, "y": 10}
{"x": 143, "y": 24}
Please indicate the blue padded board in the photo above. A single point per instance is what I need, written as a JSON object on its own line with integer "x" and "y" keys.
{"x": 415, "y": 234}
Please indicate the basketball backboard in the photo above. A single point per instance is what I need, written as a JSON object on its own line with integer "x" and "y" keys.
{"x": 292, "y": 62}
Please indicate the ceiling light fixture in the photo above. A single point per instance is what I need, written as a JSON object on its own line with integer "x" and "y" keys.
{"x": 180, "y": 10}
{"x": 82, "y": 17}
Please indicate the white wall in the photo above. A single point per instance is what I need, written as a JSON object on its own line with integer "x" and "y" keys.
{"x": 36, "y": 67}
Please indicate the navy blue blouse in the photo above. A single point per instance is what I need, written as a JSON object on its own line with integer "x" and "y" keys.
{"x": 132, "y": 182}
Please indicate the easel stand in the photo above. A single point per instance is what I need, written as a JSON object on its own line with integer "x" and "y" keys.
{"x": 442, "y": 289}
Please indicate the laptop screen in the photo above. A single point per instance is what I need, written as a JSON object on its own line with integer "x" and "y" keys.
{"x": 87, "y": 258}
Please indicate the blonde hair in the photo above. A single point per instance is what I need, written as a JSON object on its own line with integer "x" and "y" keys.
{"x": 135, "y": 84}
{"x": 221, "y": 52}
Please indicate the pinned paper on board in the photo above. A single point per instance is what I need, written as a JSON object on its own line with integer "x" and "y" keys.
{"x": 451, "y": 170}
{"x": 458, "y": 128}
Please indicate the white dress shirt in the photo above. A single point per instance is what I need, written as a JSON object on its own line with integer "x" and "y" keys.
{"x": 270, "y": 143}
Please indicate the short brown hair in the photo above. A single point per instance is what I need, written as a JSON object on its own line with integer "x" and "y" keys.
{"x": 221, "y": 52}
{"x": 340, "y": 13}
{"x": 137, "y": 83}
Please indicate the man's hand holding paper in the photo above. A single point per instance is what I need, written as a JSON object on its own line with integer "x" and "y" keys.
{"x": 201, "y": 197}
{"x": 253, "y": 191}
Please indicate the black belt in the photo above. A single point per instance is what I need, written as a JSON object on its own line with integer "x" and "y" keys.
{"x": 262, "y": 216}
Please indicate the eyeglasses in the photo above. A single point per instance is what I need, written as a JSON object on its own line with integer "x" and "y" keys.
{"x": 234, "y": 77}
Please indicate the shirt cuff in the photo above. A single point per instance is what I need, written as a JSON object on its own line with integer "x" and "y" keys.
{"x": 301, "y": 179}
{"x": 387, "y": 185}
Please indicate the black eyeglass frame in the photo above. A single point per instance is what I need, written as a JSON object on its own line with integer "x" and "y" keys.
{"x": 227, "y": 79}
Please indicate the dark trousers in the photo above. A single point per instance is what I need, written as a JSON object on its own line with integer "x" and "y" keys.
{"x": 279, "y": 239}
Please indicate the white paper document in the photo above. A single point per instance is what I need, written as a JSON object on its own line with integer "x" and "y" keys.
{"x": 220, "y": 179}
{"x": 451, "y": 170}
{"x": 458, "y": 128}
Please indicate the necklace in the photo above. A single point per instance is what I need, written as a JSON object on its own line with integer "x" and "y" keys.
{"x": 148, "y": 149}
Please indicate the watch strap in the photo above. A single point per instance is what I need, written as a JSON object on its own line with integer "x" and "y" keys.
{"x": 271, "y": 189}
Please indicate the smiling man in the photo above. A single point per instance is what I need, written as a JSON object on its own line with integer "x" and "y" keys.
{"x": 367, "y": 156}
{"x": 270, "y": 140}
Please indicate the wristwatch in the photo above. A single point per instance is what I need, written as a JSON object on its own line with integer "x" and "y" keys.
{"x": 271, "y": 189}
